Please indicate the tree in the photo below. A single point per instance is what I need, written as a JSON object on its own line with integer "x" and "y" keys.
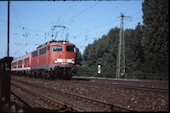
{"x": 103, "y": 51}
{"x": 89, "y": 55}
{"x": 78, "y": 57}
{"x": 139, "y": 49}
{"x": 130, "y": 58}
{"x": 155, "y": 35}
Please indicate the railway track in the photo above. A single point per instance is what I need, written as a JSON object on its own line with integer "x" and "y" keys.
{"x": 123, "y": 87}
{"x": 132, "y": 82}
{"x": 128, "y": 97}
{"x": 39, "y": 100}
{"x": 70, "y": 102}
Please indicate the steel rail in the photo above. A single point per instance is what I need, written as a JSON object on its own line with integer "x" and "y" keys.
{"x": 60, "y": 105}
{"x": 110, "y": 106}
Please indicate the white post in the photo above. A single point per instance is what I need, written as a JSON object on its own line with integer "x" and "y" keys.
{"x": 99, "y": 68}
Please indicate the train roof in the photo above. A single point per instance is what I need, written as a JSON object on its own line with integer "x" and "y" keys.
{"x": 22, "y": 57}
{"x": 52, "y": 41}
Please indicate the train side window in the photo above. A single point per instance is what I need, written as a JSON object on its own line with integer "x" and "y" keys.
{"x": 71, "y": 48}
{"x": 20, "y": 62}
{"x": 56, "y": 48}
{"x": 40, "y": 51}
{"x": 35, "y": 53}
{"x": 32, "y": 54}
{"x": 16, "y": 64}
{"x": 25, "y": 62}
{"x": 44, "y": 50}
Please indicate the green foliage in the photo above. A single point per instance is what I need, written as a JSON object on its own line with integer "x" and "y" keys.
{"x": 146, "y": 46}
{"x": 104, "y": 51}
{"x": 78, "y": 57}
{"x": 155, "y": 35}
{"x": 133, "y": 49}
{"x": 86, "y": 71}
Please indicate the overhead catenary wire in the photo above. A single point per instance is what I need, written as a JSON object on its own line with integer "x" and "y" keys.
{"x": 105, "y": 12}
{"x": 90, "y": 31}
{"x": 14, "y": 12}
{"x": 44, "y": 31}
{"x": 79, "y": 14}
{"x": 99, "y": 26}
{"x": 67, "y": 11}
{"x": 82, "y": 12}
{"x": 21, "y": 27}
{"x": 109, "y": 24}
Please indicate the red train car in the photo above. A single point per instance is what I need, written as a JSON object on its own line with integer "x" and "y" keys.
{"x": 54, "y": 59}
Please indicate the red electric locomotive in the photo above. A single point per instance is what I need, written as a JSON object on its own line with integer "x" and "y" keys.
{"x": 54, "y": 59}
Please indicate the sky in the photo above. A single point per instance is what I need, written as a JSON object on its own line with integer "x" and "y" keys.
{"x": 32, "y": 22}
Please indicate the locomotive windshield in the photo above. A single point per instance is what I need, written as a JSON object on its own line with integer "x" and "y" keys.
{"x": 71, "y": 48}
{"x": 56, "y": 48}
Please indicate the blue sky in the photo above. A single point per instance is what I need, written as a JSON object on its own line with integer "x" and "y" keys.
{"x": 31, "y": 22}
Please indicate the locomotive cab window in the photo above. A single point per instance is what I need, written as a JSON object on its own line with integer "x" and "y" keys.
{"x": 71, "y": 48}
{"x": 57, "y": 48}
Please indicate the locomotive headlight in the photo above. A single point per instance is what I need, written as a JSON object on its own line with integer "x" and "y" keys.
{"x": 55, "y": 60}
{"x": 58, "y": 60}
{"x": 73, "y": 60}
